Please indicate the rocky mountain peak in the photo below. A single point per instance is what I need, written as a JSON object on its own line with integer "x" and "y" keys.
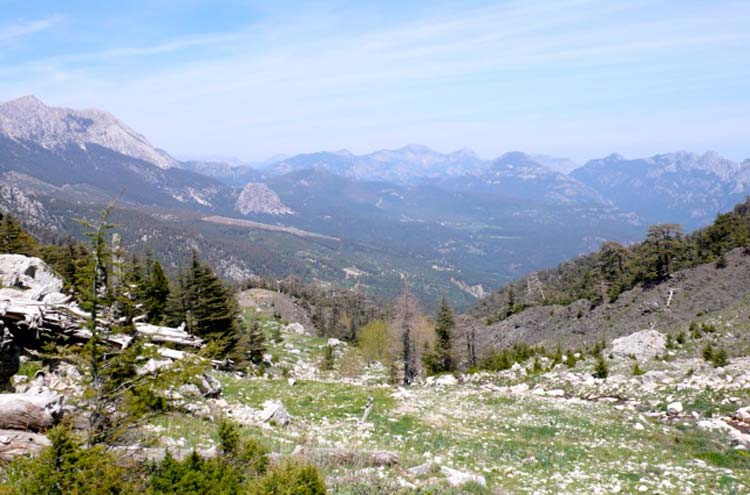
{"x": 29, "y": 119}
{"x": 257, "y": 197}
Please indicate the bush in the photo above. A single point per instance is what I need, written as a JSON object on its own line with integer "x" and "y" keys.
{"x": 66, "y": 467}
{"x": 708, "y": 352}
{"x": 289, "y": 479}
{"x": 570, "y": 359}
{"x": 601, "y": 369}
{"x": 637, "y": 371}
{"x": 719, "y": 358}
{"x": 329, "y": 358}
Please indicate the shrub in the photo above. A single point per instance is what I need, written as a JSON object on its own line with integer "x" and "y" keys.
{"x": 287, "y": 479}
{"x": 708, "y": 352}
{"x": 329, "y": 358}
{"x": 66, "y": 467}
{"x": 695, "y": 330}
{"x": 719, "y": 358}
{"x": 681, "y": 337}
{"x": 601, "y": 369}
{"x": 637, "y": 371}
{"x": 571, "y": 360}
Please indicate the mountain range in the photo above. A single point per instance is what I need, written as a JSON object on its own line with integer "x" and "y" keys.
{"x": 450, "y": 223}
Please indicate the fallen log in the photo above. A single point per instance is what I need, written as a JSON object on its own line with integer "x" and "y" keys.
{"x": 33, "y": 410}
{"x": 14, "y": 443}
{"x": 323, "y": 457}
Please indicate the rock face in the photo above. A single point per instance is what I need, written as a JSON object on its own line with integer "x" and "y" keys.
{"x": 30, "y": 279}
{"x": 28, "y": 119}
{"x": 257, "y": 197}
{"x": 643, "y": 345}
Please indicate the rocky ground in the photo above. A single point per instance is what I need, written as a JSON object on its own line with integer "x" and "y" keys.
{"x": 682, "y": 426}
{"x": 664, "y": 420}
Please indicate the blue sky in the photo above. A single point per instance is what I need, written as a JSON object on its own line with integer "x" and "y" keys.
{"x": 251, "y": 79}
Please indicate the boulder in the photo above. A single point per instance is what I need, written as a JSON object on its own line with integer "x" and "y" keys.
{"x": 743, "y": 414}
{"x": 35, "y": 410}
{"x": 29, "y": 278}
{"x": 274, "y": 410}
{"x": 16, "y": 443}
{"x": 458, "y": 478}
{"x": 643, "y": 345}
{"x": 674, "y": 409}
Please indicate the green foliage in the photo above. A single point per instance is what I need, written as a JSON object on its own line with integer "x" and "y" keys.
{"x": 440, "y": 358}
{"x": 374, "y": 341}
{"x": 289, "y": 479}
{"x": 156, "y": 293}
{"x": 719, "y": 358}
{"x": 708, "y": 352}
{"x": 604, "y": 275}
{"x": 202, "y": 301}
{"x": 695, "y": 330}
{"x": 329, "y": 358}
{"x": 66, "y": 467}
{"x": 601, "y": 368}
{"x": 637, "y": 371}
{"x": 681, "y": 337}
{"x": 570, "y": 360}
{"x": 13, "y": 239}
{"x": 250, "y": 346}
{"x": 506, "y": 358}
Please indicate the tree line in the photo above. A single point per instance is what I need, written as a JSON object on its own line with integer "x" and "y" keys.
{"x": 602, "y": 276}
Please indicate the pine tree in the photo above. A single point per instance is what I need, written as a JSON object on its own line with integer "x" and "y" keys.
{"x": 204, "y": 304}
{"x": 156, "y": 293}
{"x": 255, "y": 342}
{"x": 13, "y": 239}
{"x": 440, "y": 359}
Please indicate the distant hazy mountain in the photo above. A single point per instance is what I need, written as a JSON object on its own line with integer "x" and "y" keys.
{"x": 403, "y": 166}
{"x": 681, "y": 187}
{"x": 518, "y": 175}
{"x": 27, "y": 119}
{"x": 228, "y": 173}
{"x": 564, "y": 165}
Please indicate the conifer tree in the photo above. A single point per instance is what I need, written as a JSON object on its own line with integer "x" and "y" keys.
{"x": 256, "y": 342}
{"x": 204, "y": 304}
{"x": 156, "y": 293}
{"x": 440, "y": 359}
{"x": 13, "y": 239}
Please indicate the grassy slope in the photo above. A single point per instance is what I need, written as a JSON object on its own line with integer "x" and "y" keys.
{"x": 520, "y": 443}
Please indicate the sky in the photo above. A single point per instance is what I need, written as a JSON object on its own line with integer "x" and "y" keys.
{"x": 571, "y": 78}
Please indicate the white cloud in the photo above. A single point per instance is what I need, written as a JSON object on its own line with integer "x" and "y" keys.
{"x": 26, "y": 28}
{"x": 553, "y": 73}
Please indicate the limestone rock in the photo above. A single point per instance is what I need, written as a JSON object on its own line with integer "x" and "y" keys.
{"x": 29, "y": 278}
{"x": 643, "y": 345}
{"x": 674, "y": 409}
{"x": 274, "y": 410}
{"x": 458, "y": 478}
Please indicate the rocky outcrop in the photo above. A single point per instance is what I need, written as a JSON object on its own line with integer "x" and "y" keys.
{"x": 257, "y": 197}
{"x": 642, "y": 346}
